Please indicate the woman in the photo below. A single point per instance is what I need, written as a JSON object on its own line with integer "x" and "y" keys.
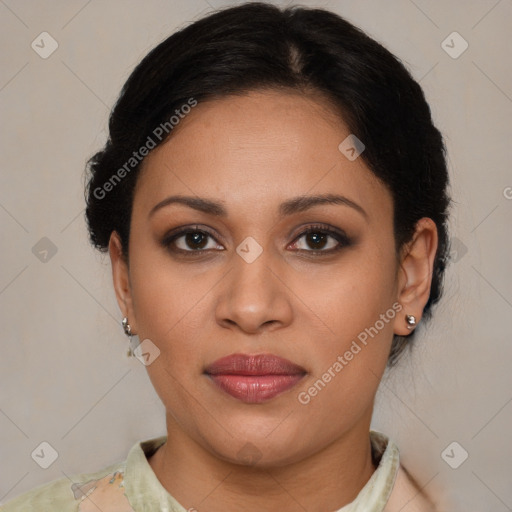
{"x": 273, "y": 197}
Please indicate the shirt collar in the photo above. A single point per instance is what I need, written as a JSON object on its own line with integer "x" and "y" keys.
{"x": 376, "y": 492}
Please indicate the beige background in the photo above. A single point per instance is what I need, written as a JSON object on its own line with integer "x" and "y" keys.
{"x": 65, "y": 377}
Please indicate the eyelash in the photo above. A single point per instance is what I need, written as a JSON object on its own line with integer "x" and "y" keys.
{"x": 339, "y": 236}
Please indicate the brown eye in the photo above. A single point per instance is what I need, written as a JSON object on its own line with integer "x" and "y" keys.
{"x": 319, "y": 239}
{"x": 195, "y": 240}
{"x": 191, "y": 240}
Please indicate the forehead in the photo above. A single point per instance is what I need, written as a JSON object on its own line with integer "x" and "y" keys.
{"x": 258, "y": 148}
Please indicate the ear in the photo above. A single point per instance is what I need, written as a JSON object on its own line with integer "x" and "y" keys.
{"x": 121, "y": 278}
{"x": 415, "y": 273}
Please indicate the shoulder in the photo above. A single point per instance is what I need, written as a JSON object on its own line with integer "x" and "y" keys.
{"x": 407, "y": 496}
{"x": 55, "y": 495}
{"x": 80, "y": 493}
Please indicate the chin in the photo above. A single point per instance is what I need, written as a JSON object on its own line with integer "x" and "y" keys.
{"x": 260, "y": 444}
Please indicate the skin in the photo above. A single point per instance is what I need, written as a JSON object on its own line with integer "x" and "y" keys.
{"x": 252, "y": 152}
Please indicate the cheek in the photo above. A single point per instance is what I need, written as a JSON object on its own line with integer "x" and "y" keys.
{"x": 356, "y": 304}
{"x": 348, "y": 367}
{"x": 168, "y": 302}
{"x": 350, "y": 296}
{"x": 169, "y": 307}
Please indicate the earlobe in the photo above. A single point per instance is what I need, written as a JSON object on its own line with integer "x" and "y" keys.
{"x": 121, "y": 277}
{"x": 415, "y": 275}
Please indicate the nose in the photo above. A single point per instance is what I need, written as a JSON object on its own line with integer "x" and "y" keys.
{"x": 253, "y": 297}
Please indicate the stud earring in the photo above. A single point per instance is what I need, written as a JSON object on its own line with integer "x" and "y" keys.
{"x": 126, "y": 327}
{"x": 128, "y": 331}
{"x": 410, "y": 321}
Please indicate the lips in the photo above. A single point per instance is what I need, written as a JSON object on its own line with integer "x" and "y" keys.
{"x": 254, "y": 378}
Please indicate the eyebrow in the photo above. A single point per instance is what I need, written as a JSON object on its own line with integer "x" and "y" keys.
{"x": 288, "y": 207}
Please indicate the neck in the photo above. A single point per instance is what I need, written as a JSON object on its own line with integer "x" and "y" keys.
{"x": 326, "y": 480}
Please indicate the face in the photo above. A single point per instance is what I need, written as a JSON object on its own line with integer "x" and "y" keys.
{"x": 284, "y": 250}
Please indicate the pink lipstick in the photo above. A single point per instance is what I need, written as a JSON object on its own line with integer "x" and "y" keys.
{"x": 254, "y": 378}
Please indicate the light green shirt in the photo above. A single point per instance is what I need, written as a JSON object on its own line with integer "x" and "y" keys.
{"x": 132, "y": 486}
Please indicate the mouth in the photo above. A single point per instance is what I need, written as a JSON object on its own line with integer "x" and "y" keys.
{"x": 254, "y": 378}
